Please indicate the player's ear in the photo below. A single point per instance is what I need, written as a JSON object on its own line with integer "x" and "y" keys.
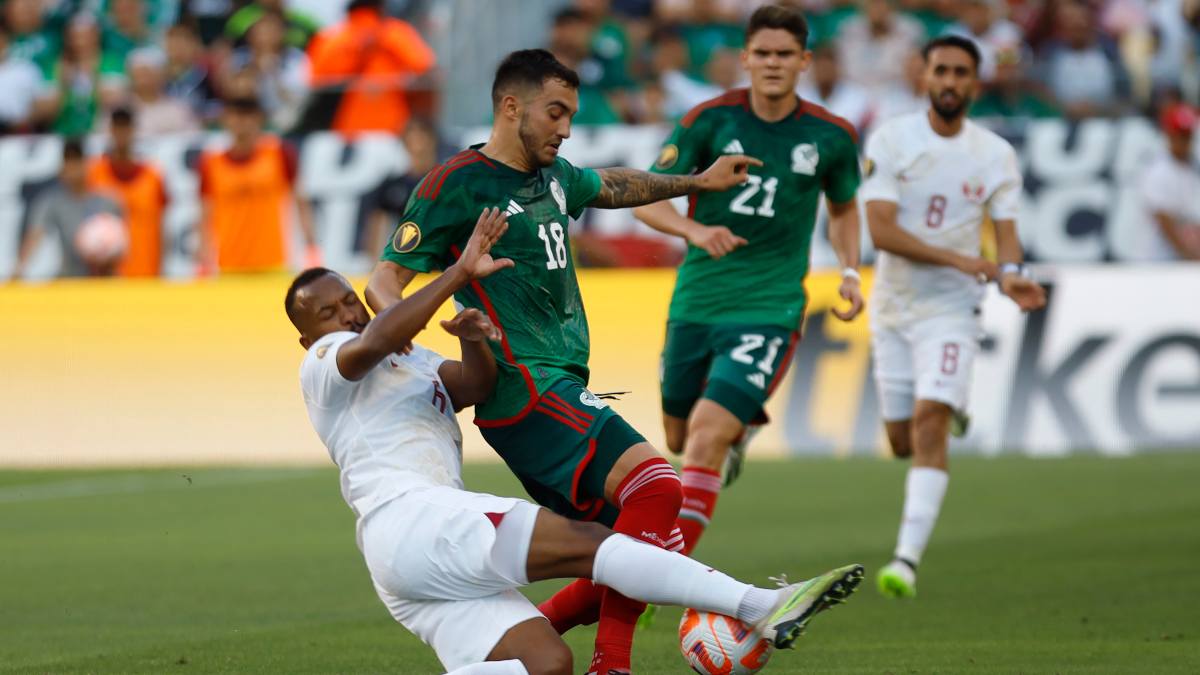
{"x": 510, "y": 107}
{"x": 305, "y": 342}
{"x": 806, "y": 57}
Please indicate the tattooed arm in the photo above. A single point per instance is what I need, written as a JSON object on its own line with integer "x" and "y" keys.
{"x": 621, "y": 187}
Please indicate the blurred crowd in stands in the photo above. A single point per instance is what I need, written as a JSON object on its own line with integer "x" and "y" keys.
{"x": 651, "y": 60}
{"x": 133, "y": 69}
{"x": 66, "y": 64}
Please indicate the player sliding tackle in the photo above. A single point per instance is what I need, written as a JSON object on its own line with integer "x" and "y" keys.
{"x": 932, "y": 178}
{"x": 445, "y": 561}
{"x": 573, "y": 453}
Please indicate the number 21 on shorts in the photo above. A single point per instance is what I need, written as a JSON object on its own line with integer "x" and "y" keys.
{"x": 751, "y": 342}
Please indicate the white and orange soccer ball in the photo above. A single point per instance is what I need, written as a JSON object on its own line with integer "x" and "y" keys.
{"x": 715, "y": 644}
{"x": 102, "y": 240}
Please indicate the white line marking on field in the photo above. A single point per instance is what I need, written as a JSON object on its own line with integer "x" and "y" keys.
{"x": 131, "y": 484}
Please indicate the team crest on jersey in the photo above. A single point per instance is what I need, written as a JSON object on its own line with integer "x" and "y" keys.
{"x": 668, "y": 156}
{"x": 868, "y": 167}
{"x": 406, "y": 238}
{"x": 973, "y": 190}
{"x": 321, "y": 351}
{"x": 589, "y": 399}
{"x": 805, "y": 158}
{"x": 560, "y": 197}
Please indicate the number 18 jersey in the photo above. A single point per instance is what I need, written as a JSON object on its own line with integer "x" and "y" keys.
{"x": 536, "y": 304}
{"x": 943, "y": 188}
{"x": 808, "y": 152}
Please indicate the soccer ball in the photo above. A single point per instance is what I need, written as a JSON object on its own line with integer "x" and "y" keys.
{"x": 102, "y": 241}
{"x": 715, "y": 644}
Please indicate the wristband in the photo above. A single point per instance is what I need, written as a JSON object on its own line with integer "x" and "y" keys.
{"x": 850, "y": 273}
{"x": 1014, "y": 268}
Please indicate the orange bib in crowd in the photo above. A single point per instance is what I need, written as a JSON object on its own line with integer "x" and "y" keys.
{"x": 141, "y": 192}
{"x": 248, "y": 200}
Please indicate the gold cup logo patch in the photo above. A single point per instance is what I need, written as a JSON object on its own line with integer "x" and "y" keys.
{"x": 407, "y": 237}
{"x": 668, "y": 156}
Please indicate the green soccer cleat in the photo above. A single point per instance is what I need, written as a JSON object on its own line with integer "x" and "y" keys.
{"x": 897, "y": 580}
{"x": 646, "y": 620}
{"x": 799, "y": 603}
{"x": 960, "y": 423}
{"x": 736, "y": 457}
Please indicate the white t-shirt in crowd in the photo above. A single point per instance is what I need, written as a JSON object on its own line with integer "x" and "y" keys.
{"x": 944, "y": 187}
{"x": 1172, "y": 187}
{"x": 390, "y": 432}
{"x": 21, "y": 82}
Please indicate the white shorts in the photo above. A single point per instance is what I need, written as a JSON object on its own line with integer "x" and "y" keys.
{"x": 447, "y": 573}
{"x": 928, "y": 360}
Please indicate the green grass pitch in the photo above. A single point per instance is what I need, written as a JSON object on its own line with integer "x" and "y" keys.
{"x": 1037, "y": 566}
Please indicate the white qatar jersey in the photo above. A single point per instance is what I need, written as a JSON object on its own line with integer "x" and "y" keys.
{"x": 944, "y": 188}
{"x": 390, "y": 432}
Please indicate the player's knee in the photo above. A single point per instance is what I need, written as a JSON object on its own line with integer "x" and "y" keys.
{"x": 706, "y": 446}
{"x": 676, "y": 437}
{"x": 551, "y": 658}
{"x": 655, "y": 486}
{"x": 900, "y": 439}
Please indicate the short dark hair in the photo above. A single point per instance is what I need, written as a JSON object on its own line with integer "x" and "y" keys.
{"x": 121, "y": 116}
{"x": 956, "y": 41}
{"x": 243, "y": 104}
{"x": 529, "y": 68}
{"x": 72, "y": 148}
{"x": 776, "y": 16}
{"x": 303, "y": 279}
{"x": 569, "y": 15}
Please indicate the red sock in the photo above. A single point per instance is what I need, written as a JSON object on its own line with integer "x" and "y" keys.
{"x": 578, "y": 604}
{"x": 649, "y": 498}
{"x": 700, "y": 489}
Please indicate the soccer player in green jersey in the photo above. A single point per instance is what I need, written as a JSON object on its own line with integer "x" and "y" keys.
{"x": 739, "y": 297}
{"x": 570, "y": 450}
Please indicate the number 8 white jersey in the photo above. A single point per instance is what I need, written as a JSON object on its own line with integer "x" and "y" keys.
{"x": 944, "y": 188}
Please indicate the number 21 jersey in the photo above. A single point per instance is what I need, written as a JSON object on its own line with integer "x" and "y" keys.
{"x": 808, "y": 152}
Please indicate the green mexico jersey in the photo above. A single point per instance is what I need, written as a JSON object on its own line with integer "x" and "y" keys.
{"x": 536, "y": 304}
{"x": 809, "y": 152}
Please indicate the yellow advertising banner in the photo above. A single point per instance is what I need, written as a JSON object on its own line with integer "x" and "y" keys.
{"x": 158, "y": 373}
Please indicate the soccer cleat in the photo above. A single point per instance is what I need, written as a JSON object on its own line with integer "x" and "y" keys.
{"x": 736, "y": 457}
{"x": 960, "y": 423}
{"x": 799, "y": 603}
{"x": 646, "y": 620}
{"x": 897, "y": 579}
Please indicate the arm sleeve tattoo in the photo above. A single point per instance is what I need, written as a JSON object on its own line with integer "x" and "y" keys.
{"x": 621, "y": 187}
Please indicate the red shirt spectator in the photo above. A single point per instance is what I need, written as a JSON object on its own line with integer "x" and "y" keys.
{"x": 369, "y": 55}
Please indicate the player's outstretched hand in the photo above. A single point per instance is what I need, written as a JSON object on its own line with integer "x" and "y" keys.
{"x": 476, "y": 258}
{"x": 728, "y": 171}
{"x": 850, "y": 290}
{"x": 716, "y": 240}
{"x": 1027, "y": 293}
{"x": 471, "y": 325}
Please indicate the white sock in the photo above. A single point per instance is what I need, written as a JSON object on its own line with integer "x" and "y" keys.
{"x": 923, "y": 492}
{"x": 511, "y": 667}
{"x": 756, "y": 604}
{"x": 643, "y": 572}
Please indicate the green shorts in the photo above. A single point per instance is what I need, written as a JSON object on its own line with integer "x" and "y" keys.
{"x": 737, "y": 366}
{"x": 564, "y": 449}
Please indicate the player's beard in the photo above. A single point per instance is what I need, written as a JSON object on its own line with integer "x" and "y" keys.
{"x": 531, "y": 144}
{"x": 952, "y": 112}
